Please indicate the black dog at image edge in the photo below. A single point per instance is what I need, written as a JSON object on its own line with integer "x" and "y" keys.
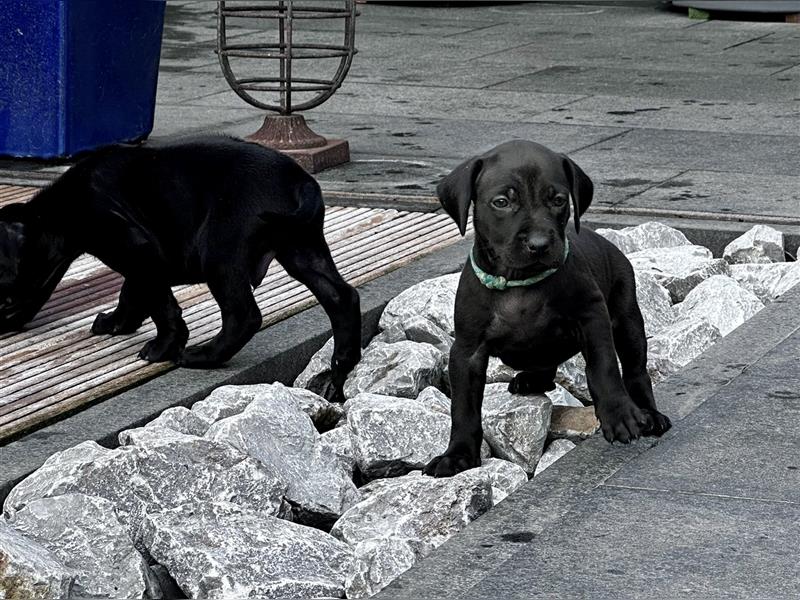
{"x": 212, "y": 210}
{"x": 535, "y": 292}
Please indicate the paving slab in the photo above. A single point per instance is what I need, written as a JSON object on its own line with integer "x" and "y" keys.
{"x": 621, "y": 543}
{"x": 701, "y": 150}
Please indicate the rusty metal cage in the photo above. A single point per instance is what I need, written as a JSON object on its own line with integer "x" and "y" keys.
{"x": 286, "y": 130}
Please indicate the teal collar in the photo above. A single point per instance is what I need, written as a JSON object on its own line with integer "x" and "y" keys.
{"x": 498, "y": 282}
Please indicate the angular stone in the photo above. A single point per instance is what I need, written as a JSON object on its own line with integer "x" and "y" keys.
{"x": 338, "y": 442}
{"x": 230, "y": 400}
{"x": 561, "y": 397}
{"x": 225, "y": 401}
{"x": 415, "y": 507}
{"x": 83, "y": 532}
{"x": 29, "y": 570}
{"x": 555, "y": 450}
{"x": 645, "y": 236}
{"x": 678, "y": 344}
{"x": 390, "y": 335}
{"x": 182, "y": 420}
{"x": 435, "y": 400}
{"x": 221, "y": 550}
{"x": 767, "y": 281}
{"x": 680, "y": 268}
{"x": 504, "y": 476}
{"x": 654, "y": 302}
{"x": 401, "y": 369}
{"x": 392, "y": 436}
{"x": 317, "y": 374}
{"x": 165, "y": 469}
{"x": 574, "y": 423}
{"x": 425, "y": 311}
{"x": 760, "y": 244}
{"x": 274, "y": 430}
{"x": 378, "y": 561}
{"x": 515, "y": 426}
{"x": 499, "y": 372}
{"x": 721, "y": 301}
{"x": 572, "y": 376}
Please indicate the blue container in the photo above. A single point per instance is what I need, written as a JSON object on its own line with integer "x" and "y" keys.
{"x": 77, "y": 74}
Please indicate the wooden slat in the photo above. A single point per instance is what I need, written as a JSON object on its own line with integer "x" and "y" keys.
{"x": 56, "y": 365}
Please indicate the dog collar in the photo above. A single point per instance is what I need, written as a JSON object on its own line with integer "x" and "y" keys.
{"x": 498, "y": 282}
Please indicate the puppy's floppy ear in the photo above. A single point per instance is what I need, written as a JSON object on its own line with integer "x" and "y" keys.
{"x": 581, "y": 190}
{"x": 457, "y": 190}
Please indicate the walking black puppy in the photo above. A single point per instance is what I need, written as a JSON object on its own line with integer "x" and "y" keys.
{"x": 535, "y": 292}
{"x": 214, "y": 210}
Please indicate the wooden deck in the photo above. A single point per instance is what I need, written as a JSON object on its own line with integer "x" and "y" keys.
{"x": 56, "y": 365}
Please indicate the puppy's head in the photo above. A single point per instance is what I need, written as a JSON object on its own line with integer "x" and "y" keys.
{"x": 521, "y": 192}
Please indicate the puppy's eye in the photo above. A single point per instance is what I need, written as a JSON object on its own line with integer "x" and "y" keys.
{"x": 559, "y": 200}
{"x": 500, "y": 202}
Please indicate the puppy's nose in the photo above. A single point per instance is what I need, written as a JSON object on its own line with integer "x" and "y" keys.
{"x": 536, "y": 243}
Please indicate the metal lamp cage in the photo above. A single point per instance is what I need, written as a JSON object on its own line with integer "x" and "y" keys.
{"x": 286, "y": 51}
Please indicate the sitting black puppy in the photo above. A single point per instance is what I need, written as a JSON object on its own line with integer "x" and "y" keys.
{"x": 214, "y": 210}
{"x": 535, "y": 292}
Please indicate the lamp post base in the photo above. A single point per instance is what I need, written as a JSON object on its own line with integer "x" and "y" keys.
{"x": 291, "y": 135}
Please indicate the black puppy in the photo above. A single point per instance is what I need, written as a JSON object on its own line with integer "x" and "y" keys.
{"x": 535, "y": 292}
{"x": 214, "y": 210}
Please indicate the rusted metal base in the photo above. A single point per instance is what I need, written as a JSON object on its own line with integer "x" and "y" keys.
{"x": 292, "y": 135}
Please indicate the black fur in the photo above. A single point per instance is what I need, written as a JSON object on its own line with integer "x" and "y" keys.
{"x": 212, "y": 210}
{"x": 521, "y": 194}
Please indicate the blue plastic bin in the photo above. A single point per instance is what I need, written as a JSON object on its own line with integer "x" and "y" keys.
{"x": 77, "y": 74}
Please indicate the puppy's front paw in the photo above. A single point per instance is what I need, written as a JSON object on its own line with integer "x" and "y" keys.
{"x": 161, "y": 349}
{"x": 658, "y": 424}
{"x": 624, "y": 423}
{"x": 449, "y": 465}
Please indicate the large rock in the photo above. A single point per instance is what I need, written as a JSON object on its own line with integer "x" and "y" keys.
{"x": 677, "y": 345}
{"x": 515, "y": 426}
{"x": 221, "y": 550}
{"x": 415, "y": 507}
{"x": 401, "y": 369}
{"x": 721, "y": 301}
{"x": 83, "y": 532}
{"x": 680, "y": 268}
{"x": 560, "y": 396}
{"x": 318, "y": 370}
{"x": 274, "y": 430}
{"x": 29, "y": 570}
{"x": 654, "y": 302}
{"x": 435, "y": 400}
{"x": 767, "y": 281}
{"x": 555, "y": 450}
{"x": 504, "y": 476}
{"x": 761, "y": 244}
{"x": 164, "y": 469}
{"x": 392, "y": 436}
{"x": 645, "y": 236}
{"x": 425, "y": 311}
{"x": 378, "y": 561}
{"x": 572, "y": 422}
{"x": 338, "y": 441}
{"x": 230, "y": 400}
{"x": 182, "y": 420}
{"x": 572, "y": 376}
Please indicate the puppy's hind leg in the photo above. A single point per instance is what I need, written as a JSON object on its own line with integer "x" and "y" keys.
{"x": 241, "y": 318}
{"x": 126, "y": 318}
{"x": 313, "y": 266}
{"x": 630, "y": 343}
